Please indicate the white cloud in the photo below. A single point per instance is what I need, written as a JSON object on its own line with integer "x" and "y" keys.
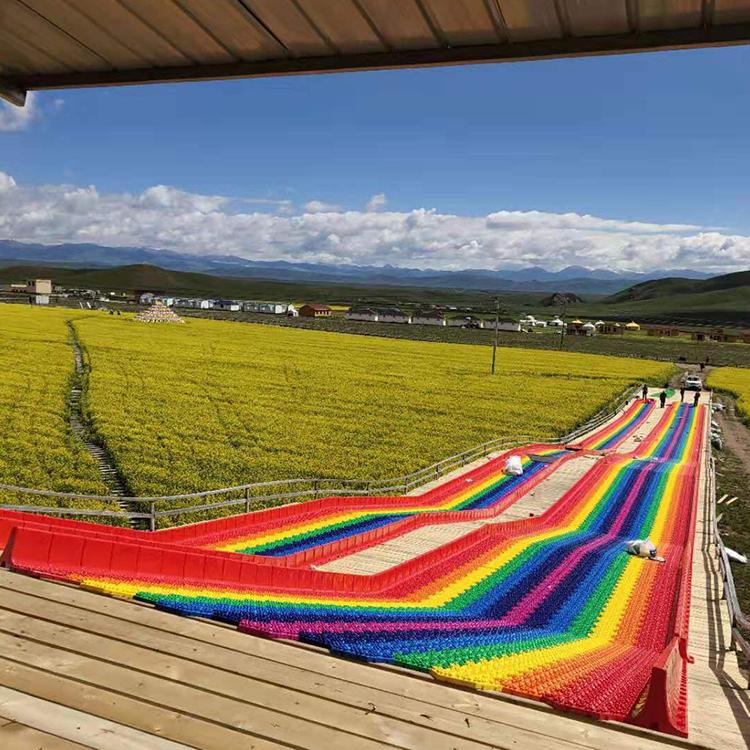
{"x": 320, "y": 207}
{"x": 163, "y": 196}
{"x": 518, "y": 219}
{"x": 376, "y": 203}
{"x": 7, "y": 183}
{"x": 166, "y": 217}
{"x": 18, "y": 118}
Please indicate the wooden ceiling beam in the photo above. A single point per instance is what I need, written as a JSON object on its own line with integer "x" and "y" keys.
{"x": 12, "y": 93}
{"x": 13, "y": 87}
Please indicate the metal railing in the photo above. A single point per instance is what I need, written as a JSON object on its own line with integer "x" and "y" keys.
{"x": 257, "y": 495}
{"x": 738, "y": 622}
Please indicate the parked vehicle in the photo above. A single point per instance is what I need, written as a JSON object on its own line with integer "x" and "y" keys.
{"x": 693, "y": 383}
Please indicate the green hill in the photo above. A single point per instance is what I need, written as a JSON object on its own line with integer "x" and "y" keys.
{"x": 665, "y": 288}
{"x": 721, "y": 300}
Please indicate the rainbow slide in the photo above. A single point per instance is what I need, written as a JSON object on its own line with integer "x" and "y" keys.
{"x": 551, "y": 607}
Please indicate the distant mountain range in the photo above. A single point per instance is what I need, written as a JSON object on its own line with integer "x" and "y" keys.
{"x": 577, "y": 279}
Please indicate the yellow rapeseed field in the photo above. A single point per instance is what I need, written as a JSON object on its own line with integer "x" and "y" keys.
{"x": 736, "y": 380}
{"x": 210, "y": 404}
{"x": 36, "y": 447}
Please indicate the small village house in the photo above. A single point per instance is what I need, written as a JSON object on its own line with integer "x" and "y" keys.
{"x": 632, "y": 327}
{"x": 612, "y": 329}
{"x": 193, "y": 303}
{"x": 503, "y": 325}
{"x": 663, "y": 331}
{"x": 362, "y": 313}
{"x": 719, "y": 334}
{"x": 315, "y": 311}
{"x": 428, "y": 318}
{"x": 574, "y": 328}
{"x": 269, "y": 308}
{"x": 393, "y": 315}
{"x": 39, "y": 286}
{"x": 465, "y": 321}
{"x": 39, "y": 291}
{"x": 228, "y": 305}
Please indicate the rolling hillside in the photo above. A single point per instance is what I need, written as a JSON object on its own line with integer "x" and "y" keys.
{"x": 737, "y": 284}
{"x": 721, "y": 300}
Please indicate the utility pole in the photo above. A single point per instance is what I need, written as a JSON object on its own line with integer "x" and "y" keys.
{"x": 563, "y": 310}
{"x": 494, "y": 341}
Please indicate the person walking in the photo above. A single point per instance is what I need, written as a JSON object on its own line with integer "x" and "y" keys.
{"x": 696, "y": 398}
{"x": 644, "y": 390}
{"x": 663, "y": 398}
{"x": 682, "y": 394}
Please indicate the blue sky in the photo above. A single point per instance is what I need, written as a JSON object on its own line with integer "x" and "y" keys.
{"x": 658, "y": 138}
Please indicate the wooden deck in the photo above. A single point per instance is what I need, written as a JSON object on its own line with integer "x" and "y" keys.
{"x": 632, "y": 442}
{"x": 548, "y": 491}
{"x": 718, "y": 699}
{"x": 77, "y": 667}
{"x": 396, "y": 551}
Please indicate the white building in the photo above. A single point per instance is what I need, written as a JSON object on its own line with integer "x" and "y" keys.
{"x": 41, "y": 287}
{"x": 229, "y": 305}
{"x": 393, "y": 315}
{"x": 465, "y": 322}
{"x": 362, "y": 313}
{"x": 530, "y": 320}
{"x": 147, "y": 298}
{"x": 590, "y": 328}
{"x": 503, "y": 325}
{"x": 556, "y": 323}
{"x": 194, "y": 303}
{"x": 269, "y": 308}
{"x": 428, "y": 319}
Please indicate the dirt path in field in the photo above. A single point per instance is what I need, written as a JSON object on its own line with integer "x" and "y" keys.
{"x": 735, "y": 432}
{"x": 83, "y": 430}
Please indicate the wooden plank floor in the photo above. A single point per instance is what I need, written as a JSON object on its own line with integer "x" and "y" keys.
{"x": 632, "y": 442}
{"x": 718, "y": 699}
{"x": 549, "y": 490}
{"x": 125, "y": 666}
{"x": 396, "y": 551}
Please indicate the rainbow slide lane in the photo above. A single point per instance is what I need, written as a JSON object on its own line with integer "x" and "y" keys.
{"x": 620, "y": 429}
{"x": 550, "y": 608}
